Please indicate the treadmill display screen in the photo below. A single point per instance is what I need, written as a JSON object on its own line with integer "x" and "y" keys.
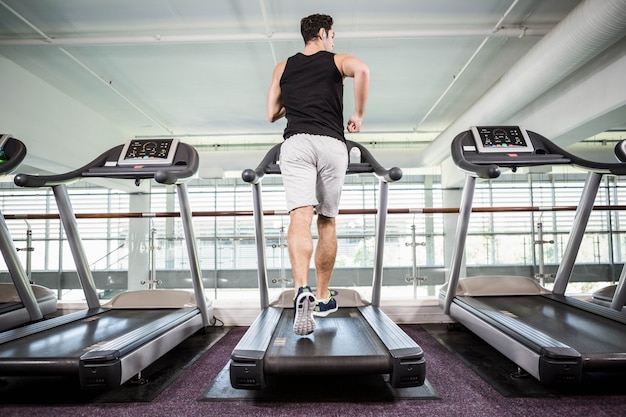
{"x": 148, "y": 152}
{"x": 501, "y": 139}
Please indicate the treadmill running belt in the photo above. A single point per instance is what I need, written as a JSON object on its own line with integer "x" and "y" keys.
{"x": 74, "y": 339}
{"x": 584, "y": 331}
{"x": 343, "y": 343}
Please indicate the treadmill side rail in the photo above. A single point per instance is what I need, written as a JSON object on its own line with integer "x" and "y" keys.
{"x": 408, "y": 363}
{"x": 101, "y": 369}
{"x": 36, "y": 327}
{"x": 558, "y": 366}
{"x": 246, "y": 361}
{"x": 556, "y": 363}
{"x": 111, "y": 364}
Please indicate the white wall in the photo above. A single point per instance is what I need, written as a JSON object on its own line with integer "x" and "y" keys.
{"x": 40, "y": 116}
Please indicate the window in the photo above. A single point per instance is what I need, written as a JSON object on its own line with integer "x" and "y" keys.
{"x": 225, "y": 236}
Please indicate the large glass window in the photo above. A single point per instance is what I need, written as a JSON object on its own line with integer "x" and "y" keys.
{"x": 504, "y": 239}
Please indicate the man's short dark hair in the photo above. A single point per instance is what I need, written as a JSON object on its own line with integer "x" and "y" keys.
{"x": 310, "y": 26}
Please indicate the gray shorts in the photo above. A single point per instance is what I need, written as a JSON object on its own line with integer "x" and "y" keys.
{"x": 313, "y": 169}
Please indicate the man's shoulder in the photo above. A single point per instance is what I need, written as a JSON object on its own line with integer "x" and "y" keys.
{"x": 342, "y": 56}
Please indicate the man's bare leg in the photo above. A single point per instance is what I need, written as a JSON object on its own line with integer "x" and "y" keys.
{"x": 325, "y": 254}
{"x": 300, "y": 244}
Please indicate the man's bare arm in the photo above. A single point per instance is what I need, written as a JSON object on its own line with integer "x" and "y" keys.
{"x": 274, "y": 109}
{"x": 351, "y": 66}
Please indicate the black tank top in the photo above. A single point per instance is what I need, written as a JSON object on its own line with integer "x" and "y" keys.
{"x": 312, "y": 92}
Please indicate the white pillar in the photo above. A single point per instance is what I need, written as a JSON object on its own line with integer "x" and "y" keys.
{"x": 138, "y": 241}
{"x": 452, "y": 180}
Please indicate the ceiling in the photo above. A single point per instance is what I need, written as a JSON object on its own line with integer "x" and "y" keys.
{"x": 81, "y": 76}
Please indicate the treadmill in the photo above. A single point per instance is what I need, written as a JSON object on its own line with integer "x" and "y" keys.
{"x": 614, "y": 296}
{"x": 557, "y": 339}
{"x": 358, "y": 339}
{"x": 20, "y": 301}
{"x": 106, "y": 345}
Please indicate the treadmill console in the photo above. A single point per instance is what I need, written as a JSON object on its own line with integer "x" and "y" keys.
{"x": 151, "y": 152}
{"x": 501, "y": 139}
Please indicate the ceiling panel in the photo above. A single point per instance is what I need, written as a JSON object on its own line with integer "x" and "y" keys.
{"x": 198, "y": 69}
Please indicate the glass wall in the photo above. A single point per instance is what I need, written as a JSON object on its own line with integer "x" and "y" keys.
{"x": 504, "y": 241}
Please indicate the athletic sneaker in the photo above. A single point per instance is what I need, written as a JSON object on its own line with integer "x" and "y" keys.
{"x": 304, "y": 304}
{"x": 326, "y": 307}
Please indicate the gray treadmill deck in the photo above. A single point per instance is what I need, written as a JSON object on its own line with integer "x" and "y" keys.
{"x": 343, "y": 343}
{"x": 74, "y": 339}
{"x": 590, "y": 334}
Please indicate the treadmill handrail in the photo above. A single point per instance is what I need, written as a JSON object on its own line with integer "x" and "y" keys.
{"x": 105, "y": 165}
{"x": 34, "y": 180}
{"x": 15, "y": 151}
{"x": 488, "y": 166}
{"x": 369, "y": 164}
{"x": 615, "y": 168}
{"x": 366, "y": 164}
{"x": 620, "y": 150}
{"x": 268, "y": 165}
{"x": 458, "y": 157}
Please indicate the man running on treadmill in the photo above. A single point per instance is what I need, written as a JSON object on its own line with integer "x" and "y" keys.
{"x": 307, "y": 89}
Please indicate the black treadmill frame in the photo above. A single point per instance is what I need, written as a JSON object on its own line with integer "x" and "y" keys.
{"x": 407, "y": 364}
{"x": 540, "y": 354}
{"x": 108, "y": 363}
{"x": 29, "y": 308}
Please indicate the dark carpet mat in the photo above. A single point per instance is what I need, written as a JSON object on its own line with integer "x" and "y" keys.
{"x": 362, "y": 388}
{"x": 504, "y": 376}
{"x": 155, "y": 378}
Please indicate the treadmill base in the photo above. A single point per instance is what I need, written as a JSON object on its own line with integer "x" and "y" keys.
{"x": 324, "y": 388}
